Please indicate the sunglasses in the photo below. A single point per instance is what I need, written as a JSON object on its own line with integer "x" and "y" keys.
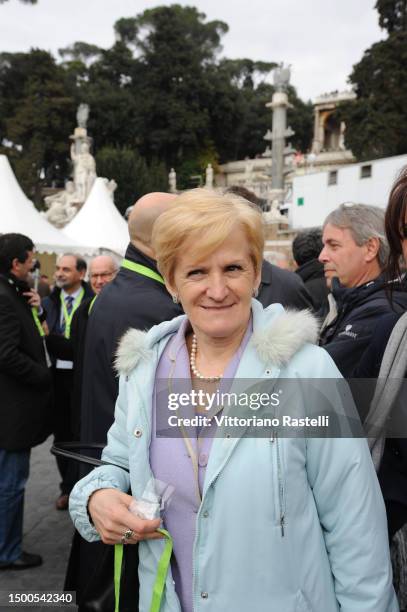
{"x": 404, "y": 230}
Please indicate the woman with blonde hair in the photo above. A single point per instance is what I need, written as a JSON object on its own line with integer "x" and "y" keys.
{"x": 257, "y": 522}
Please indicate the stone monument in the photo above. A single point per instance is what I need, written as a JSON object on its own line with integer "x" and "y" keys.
{"x": 84, "y": 170}
{"x": 209, "y": 177}
{"x": 279, "y": 104}
{"x": 172, "y": 181}
{"x": 84, "y": 166}
{"x": 63, "y": 205}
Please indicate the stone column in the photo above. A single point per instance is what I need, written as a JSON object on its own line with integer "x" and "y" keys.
{"x": 280, "y": 132}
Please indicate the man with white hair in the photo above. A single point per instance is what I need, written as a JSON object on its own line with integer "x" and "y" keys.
{"x": 102, "y": 270}
{"x": 354, "y": 256}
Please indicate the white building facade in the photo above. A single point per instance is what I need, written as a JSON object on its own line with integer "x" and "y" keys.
{"x": 316, "y": 194}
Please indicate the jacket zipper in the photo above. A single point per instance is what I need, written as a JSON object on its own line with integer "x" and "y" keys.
{"x": 280, "y": 486}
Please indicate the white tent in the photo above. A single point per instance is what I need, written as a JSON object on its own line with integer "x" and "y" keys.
{"x": 18, "y": 214}
{"x": 99, "y": 223}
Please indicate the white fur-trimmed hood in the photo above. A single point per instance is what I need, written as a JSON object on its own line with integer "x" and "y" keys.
{"x": 286, "y": 334}
{"x": 133, "y": 347}
{"x": 276, "y": 342}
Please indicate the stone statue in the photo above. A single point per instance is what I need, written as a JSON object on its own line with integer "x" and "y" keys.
{"x": 172, "y": 181}
{"x": 209, "y": 177}
{"x": 281, "y": 77}
{"x": 84, "y": 174}
{"x": 82, "y": 115}
{"x": 62, "y": 206}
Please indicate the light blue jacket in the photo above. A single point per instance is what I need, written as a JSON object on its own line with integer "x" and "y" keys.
{"x": 259, "y": 543}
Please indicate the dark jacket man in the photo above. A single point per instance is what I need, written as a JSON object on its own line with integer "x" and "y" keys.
{"x": 312, "y": 274}
{"x": 69, "y": 273}
{"x": 280, "y": 286}
{"x": 72, "y": 349}
{"x": 25, "y": 386}
{"x": 359, "y": 312}
{"x": 52, "y": 306}
{"x": 354, "y": 256}
{"x": 307, "y": 246}
{"x": 25, "y": 380}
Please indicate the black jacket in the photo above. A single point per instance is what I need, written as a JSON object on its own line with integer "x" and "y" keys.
{"x": 130, "y": 300}
{"x": 52, "y": 307}
{"x": 72, "y": 349}
{"x": 359, "y": 311}
{"x": 312, "y": 274}
{"x": 25, "y": 380}
{"x": 280, "y": 286}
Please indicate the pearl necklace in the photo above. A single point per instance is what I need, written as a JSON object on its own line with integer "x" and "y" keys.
{"x": 194, "y": 369}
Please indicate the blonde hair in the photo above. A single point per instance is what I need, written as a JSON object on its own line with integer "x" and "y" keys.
{"x": 205, "y": 218}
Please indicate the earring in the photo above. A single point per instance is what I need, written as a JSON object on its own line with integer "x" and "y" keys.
{"x": 255, "y": 292}
{"x": 175, "y": 298}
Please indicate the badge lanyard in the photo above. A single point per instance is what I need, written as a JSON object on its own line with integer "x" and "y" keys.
{"x": 68, "y": 316}
{"x": 143, "y": 270}
{"x": 37, "y": 322}
{"x": 160, "y": 578}
{"x": 41, "y": 331}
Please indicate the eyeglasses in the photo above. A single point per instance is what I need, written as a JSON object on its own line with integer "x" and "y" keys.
{"x": 101, "y": 275}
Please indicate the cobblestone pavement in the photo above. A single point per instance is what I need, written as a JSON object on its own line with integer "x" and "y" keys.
{"x": 47, "y": 532}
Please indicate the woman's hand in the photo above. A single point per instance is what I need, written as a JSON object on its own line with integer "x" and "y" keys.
{"x": 109, "y": 509}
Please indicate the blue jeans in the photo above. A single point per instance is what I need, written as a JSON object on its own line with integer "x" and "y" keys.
{"x": 14, "y": 470}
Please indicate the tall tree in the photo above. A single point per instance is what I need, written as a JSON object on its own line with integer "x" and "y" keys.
{"x": 37, "y": 115}
{"x": 377, "y": 120}
{"x": 174, "y": 46}
{"x": 133, "y": 176}
{"x": 392, "y": 15}
{"x": 161, "y": 90}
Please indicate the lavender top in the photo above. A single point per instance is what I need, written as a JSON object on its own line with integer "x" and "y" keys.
{"x": 169, "y": 457}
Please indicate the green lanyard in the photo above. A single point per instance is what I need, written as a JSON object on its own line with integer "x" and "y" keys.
{"x": 161, "y": 576}
{"x": 143, "y": 270}
{"x": 37, "y": 322}
{"x": 68, "y": 317}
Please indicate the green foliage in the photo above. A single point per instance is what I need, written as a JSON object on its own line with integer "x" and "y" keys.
{"x": 160, "y": 97}
{"x": 301, "y": 118}
{"x": 132, "y": 174}
{"x": 377, "y": 121}
{"x": 37, "y": 115}
{"x": 80, "y": 51}
{"x": 392, "y": 15}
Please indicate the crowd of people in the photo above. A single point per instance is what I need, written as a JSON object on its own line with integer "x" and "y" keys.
{"x": 269, "y": 521}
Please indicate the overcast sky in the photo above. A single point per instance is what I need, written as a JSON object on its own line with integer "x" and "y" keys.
{"x": 321, "y": 39}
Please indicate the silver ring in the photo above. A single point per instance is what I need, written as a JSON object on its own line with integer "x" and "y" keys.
{"x": 129, "y": 533}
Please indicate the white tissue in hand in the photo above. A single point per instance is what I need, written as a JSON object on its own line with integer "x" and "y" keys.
{"x": 145, "y": 509}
